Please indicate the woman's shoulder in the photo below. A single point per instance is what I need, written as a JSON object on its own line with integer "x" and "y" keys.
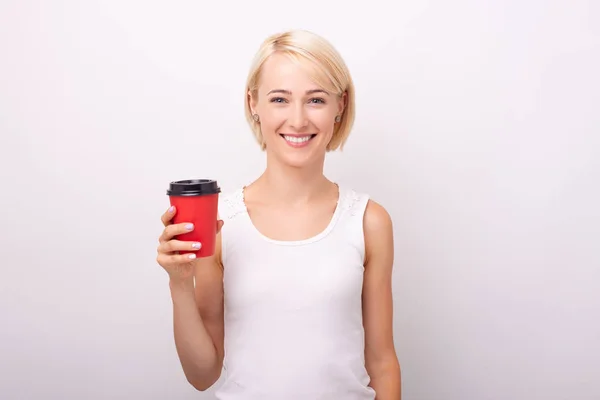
{"x": 375, "y": 214}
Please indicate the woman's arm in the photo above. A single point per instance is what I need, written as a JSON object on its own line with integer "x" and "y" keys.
{"x": 381, "y": 359}
{"x": 198, "y": 322}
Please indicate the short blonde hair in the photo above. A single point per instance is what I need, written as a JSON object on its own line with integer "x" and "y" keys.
{"x": 331, "y": 73}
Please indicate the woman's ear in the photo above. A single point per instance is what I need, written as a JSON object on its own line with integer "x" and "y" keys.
{"x": 252, "y": 100}
{"x": 342, "y": 101}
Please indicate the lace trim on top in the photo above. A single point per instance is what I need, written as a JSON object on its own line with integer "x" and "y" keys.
{"x": 350, "y": 202}
{"x": 233, "y": 204}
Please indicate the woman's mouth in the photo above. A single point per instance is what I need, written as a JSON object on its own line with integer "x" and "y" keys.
{"x": 296, "y": 140}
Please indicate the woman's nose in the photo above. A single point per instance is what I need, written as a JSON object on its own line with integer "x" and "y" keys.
{"x": 298, "y": 119}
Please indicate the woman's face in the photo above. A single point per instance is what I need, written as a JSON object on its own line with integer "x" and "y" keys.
{"x": 297, "y": 117}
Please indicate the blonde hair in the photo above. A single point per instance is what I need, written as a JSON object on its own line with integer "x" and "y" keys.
{"x": 331, "y": 73}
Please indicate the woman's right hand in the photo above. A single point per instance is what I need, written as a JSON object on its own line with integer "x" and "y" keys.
{"x": 180, "y": 267}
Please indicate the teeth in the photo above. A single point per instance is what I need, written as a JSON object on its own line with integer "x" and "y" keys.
{"x": 295, "y": 139}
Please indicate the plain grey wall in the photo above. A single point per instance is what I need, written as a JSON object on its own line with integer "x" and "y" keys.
{"x": 478, "y": 128}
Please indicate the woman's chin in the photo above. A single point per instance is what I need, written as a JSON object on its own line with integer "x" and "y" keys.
{"x": 298, "y": 156}
{"x": 303, "y": 159}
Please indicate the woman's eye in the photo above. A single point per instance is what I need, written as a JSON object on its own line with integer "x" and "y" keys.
{"x": 316, "y": 100}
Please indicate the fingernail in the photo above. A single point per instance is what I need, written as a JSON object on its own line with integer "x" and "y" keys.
{"x": 172, "y": 209}
{"x": 196, "y": 245}
{"x": 189, "y": 227}
{"x": 192, "y": 256}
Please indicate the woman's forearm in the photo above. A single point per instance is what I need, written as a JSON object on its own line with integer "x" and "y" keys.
{"x": 195, "y": 348}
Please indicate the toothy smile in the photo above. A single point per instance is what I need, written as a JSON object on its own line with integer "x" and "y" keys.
{"x": 297, "y": 140}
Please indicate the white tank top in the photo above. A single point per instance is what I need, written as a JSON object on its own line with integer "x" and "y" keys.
{"x": 293, "y": 309}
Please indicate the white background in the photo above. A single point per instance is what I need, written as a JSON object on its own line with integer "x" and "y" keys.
{"x": 478, "y": 128}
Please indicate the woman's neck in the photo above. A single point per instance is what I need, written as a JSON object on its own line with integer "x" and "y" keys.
{"x": 290, "y": 185}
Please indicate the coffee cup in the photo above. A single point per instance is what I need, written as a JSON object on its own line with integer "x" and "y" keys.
{"x": 196, "y": 201}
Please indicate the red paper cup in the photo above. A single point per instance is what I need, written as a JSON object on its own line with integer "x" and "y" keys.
{"x": 196, "y": 201}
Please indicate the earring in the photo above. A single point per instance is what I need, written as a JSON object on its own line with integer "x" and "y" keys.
{"x": 338, "y": 118}
{"x": 255, "y": 117}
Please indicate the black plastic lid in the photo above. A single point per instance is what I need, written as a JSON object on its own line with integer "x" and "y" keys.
{"x": 193, "y": 187}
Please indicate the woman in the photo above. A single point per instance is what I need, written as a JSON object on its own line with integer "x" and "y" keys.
{"x": 296, "y": 303}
